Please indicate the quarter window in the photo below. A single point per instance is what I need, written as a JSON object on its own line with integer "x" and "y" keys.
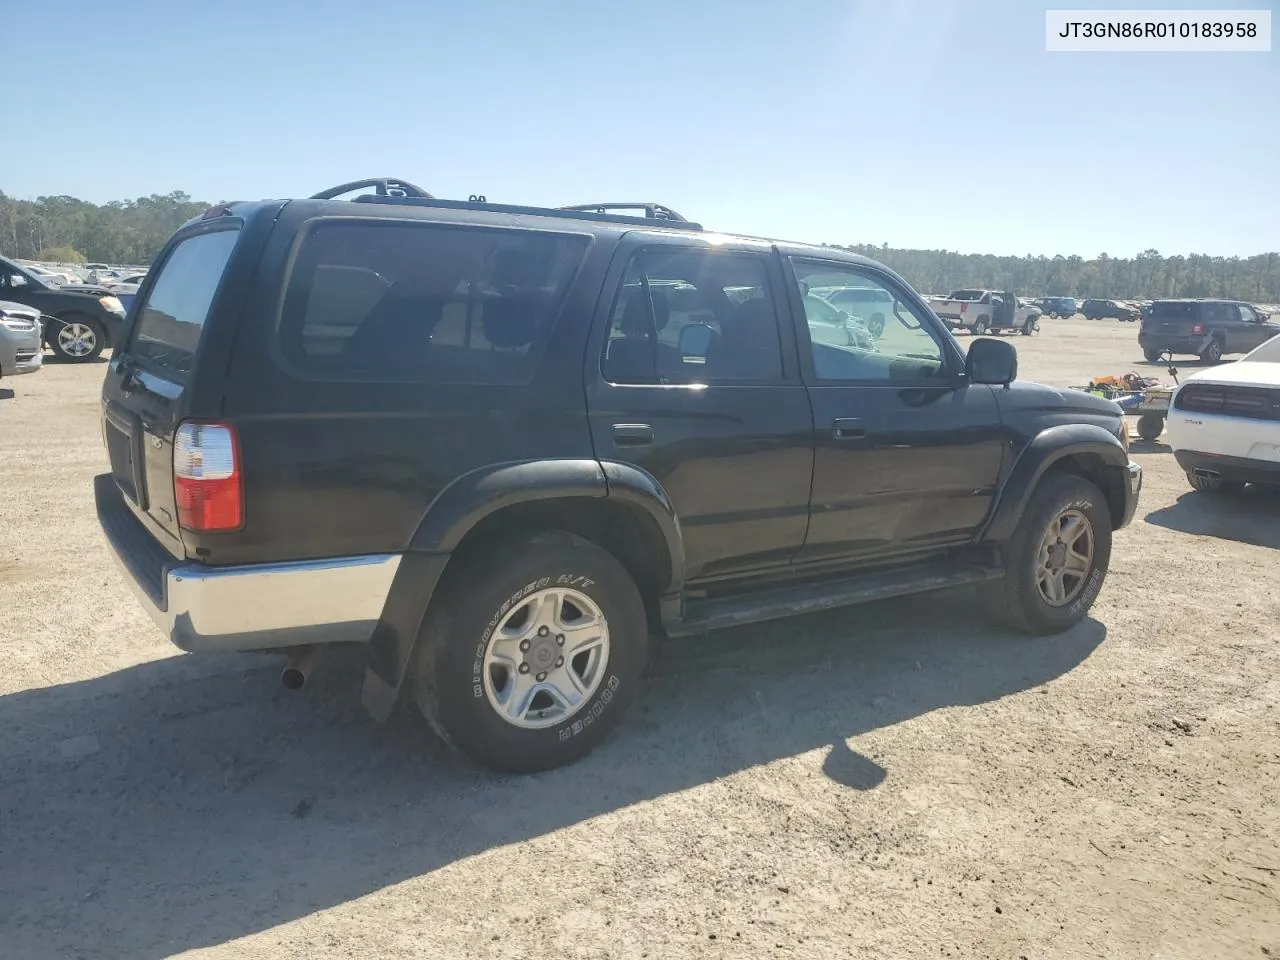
{"x": 424, "y": 302}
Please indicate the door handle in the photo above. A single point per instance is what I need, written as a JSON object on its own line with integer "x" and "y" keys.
{"x": 849, "y": 428}
{"x": 632, "y": 434}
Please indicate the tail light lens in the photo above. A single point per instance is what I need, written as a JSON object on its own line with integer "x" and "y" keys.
{"x": 964, "y": 308}
{"x": 1198, "y": 329}
{"x": 207, "y": 482}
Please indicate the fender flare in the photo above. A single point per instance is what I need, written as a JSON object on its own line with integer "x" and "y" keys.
{"x": 455, "y": 511}
{"x": 1047, "y": 448}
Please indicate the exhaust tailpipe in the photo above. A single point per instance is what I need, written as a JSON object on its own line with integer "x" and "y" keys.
{"x": 298, "y": 669}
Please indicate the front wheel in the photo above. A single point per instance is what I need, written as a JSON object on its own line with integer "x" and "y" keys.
{"x": 76, "y": 338}
{"x": 1031, "y": 327}
{"x": 1057, "y": 559}
{"x": 531, "y": 652}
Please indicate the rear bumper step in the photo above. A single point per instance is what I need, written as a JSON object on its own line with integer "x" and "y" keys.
{"x": 706, "y": 615}
{"x": 249, "y": 607}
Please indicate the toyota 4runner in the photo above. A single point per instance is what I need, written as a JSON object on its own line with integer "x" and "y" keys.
{"x": 500, "y": 447}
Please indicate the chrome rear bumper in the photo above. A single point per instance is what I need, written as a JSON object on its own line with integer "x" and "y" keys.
{"x": 249, "y": 607}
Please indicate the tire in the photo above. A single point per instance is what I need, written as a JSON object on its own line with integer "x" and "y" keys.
{"x": 1053, "y": 314}
{"x": 876, "y": 325}
{"x": 460, "y": 693}
{"x": 1020, "y": 600}
{"x": 1214, "y": 484}
{"x": 1150, "y": 426}
{"x": 1031, "y": 327}
{"x": 76, "y": 338}
{"x": 1213, "y": 352}
{"x": 1153, "y": 356}
{"x": 980, "y": 327}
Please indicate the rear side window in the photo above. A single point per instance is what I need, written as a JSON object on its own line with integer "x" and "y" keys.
{"x": 1174, "y": 311}
{"x": 424, "y": 302}
{"x": 170, "y": 321}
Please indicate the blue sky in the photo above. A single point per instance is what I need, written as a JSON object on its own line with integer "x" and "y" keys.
{"x": 917, "y": 123}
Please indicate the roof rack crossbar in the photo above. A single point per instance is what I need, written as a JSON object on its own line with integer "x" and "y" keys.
{"x": 652, "y": 211}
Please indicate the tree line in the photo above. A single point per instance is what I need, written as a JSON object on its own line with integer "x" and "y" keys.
{"x": 65, "y": 229}
{"x": 1149, "y": 275}
{"x": 132, "y": 231}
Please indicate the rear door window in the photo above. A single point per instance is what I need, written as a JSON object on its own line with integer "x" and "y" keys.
{"x": 424, "y": 302}
{"x": 170, "y": 321}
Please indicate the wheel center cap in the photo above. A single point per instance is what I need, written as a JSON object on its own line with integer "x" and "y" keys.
{"x": 541, "y": 655}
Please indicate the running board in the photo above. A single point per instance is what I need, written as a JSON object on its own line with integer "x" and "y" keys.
{"x": 702, "y": 616}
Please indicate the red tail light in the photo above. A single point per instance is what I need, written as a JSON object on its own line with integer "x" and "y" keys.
{"x": 1198, "y": 329}
{"x": 964, "y": 308}
{"x": 206, "y": 477}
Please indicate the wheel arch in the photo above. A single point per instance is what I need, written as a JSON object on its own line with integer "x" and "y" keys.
{"x": 1083, "y": 449}
{"x": 617, "y": 506}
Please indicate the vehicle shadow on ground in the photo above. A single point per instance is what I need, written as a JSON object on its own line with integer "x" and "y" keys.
{"x": 188, "y": 802}
{"x": 1251, "y": 517}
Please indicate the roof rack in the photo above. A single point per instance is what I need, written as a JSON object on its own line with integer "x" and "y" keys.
{"x": 383, "y": 187}
{"x": 397, "y": 191}
{"x": 652, "y": 211}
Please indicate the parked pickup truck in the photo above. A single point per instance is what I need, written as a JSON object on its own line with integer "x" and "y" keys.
{"x": 983, "y": 311}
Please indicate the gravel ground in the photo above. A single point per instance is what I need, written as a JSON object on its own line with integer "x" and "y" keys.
{"x": 897, "y": 780}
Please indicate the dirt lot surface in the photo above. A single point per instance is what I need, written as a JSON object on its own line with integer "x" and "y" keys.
{"x": 898, "y": 780}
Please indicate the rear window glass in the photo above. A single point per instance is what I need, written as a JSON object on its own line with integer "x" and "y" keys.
{"x": 404, "y": 301}
{"x": 170, "y": 321}
{"x": 1174, "y": 311}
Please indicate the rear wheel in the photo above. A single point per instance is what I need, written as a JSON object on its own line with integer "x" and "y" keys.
{"x": 76, "y": 338}
{"x": 980, "y": 327}
{"x": 1206, "y": 484}
{"x": 1213, "y": 352}
{"x": 1057, "y": 559}
{"x": 532, "y": 652}
{"x": 1153, "y": 356}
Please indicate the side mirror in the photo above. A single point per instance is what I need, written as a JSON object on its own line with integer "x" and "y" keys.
{"x": 695, "y": 341}
{"x": 991, "y": 361}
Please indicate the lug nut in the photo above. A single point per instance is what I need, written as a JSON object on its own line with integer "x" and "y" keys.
{"x": 560, "y": 639}
{"x": 559, "y": 661}
{"x": 541, "y": 677}
{"x": 543, "y": 631}
{"x": 524, "y": 668}
{"x": 524, "y": 644}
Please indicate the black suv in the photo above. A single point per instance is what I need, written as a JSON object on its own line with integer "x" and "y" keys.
{"x": 1109, "y": 309}
{"x": 1207, "y": 328}
{"x": 501, "y": 446}
{"x": 80, "y": 320}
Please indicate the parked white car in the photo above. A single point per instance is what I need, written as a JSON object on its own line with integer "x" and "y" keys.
{"x": 52, "y": 277}
{"x": 1224, "y": 423}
